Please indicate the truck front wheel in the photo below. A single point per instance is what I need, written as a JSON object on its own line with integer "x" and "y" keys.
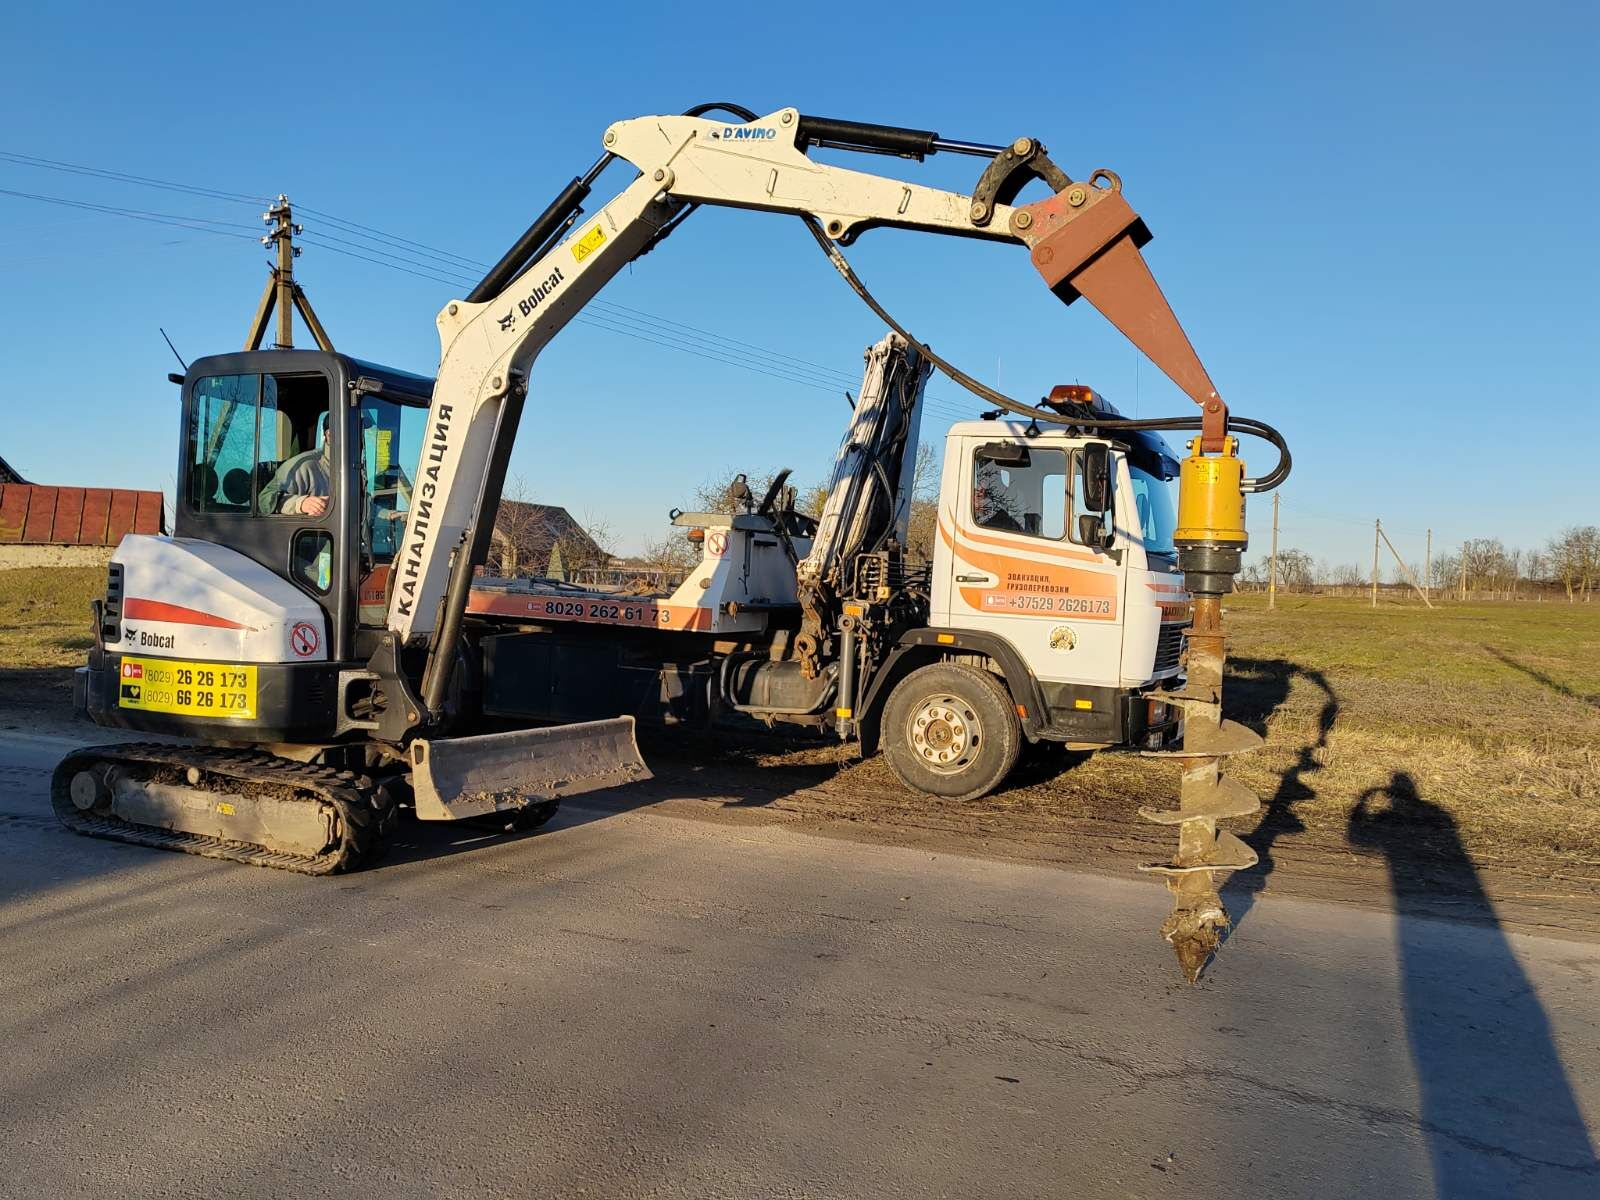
{"x": 951, "y": 731}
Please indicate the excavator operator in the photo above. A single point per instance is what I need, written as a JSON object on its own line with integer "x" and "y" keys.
{"x": 302, "y": 484}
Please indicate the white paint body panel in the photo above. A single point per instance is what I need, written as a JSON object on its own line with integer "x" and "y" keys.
{"x": 194, "y": 579}
{"x": 985, "y": 579}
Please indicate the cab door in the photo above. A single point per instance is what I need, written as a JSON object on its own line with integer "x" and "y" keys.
{"x": 1016, "y": 567}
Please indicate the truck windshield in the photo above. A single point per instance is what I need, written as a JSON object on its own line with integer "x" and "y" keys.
{"x": 1152, "y": 497}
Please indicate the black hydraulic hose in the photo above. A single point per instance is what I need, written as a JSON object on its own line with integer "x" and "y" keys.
{"x": 738, "y": 110}
{"x": 1088, "y": 420}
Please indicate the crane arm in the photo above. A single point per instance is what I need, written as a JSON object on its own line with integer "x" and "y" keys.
{"x": 1084, "y": 240}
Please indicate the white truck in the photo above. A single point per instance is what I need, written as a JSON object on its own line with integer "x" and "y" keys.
{"x": 1052, "y": 609}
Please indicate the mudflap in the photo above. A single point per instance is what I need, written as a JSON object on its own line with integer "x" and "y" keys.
{"x": 505, "y": 772}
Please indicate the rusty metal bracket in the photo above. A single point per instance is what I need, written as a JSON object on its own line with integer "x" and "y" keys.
{"x": 1085, "y": 241}
{"x": 1002, "y": 181}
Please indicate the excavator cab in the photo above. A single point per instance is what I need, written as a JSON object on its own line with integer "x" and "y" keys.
{"x": 303, "y": 461}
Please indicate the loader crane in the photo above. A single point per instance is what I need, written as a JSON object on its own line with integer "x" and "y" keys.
{"x": 256, "y": 629}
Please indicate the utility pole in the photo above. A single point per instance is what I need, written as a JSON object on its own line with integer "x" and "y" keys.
{"x": 1427, "y": 568}
{"x": 1404, "y": 569}
{"x": 282, "y": 293}
{"x": 1377, "y": 532}
{"x": 1272, "y": 581}
{"x": 1463, "y": 572}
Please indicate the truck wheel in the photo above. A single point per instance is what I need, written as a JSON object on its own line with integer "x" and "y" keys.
{"x": 951, "y": 731}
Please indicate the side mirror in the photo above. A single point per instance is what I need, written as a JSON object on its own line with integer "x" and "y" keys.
{"x": 1095, "y": 460}
{"x": 1092, "y": 531}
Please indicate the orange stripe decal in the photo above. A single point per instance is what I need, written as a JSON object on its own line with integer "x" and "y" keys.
{"x": 591, "y": 610}
{"x": 1029, "y": 588}
{"x": 177, "y": 614}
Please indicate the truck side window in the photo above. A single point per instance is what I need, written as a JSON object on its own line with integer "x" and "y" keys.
{"x": 1018, "y": 489}
{"x": 1080, "y": 504}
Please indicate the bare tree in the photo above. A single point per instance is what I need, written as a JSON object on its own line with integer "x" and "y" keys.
{"x": 922, "y": 528}
{"x": 1296, "y": 571}
{"x": 1344, "y": 575}
{"x": 591, "y": 555}
{"x": 514, "y": 528}
{"x": 1574, "y": 557}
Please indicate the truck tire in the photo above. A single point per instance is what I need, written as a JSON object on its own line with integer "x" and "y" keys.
{"x": 951, "y": 731}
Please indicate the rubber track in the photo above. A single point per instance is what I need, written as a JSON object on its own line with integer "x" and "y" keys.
{"x": 365, "y": 816}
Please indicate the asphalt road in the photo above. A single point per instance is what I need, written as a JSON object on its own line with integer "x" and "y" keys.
{"x": 637, "y": 1004}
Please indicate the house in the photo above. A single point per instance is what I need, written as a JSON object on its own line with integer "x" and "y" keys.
{"x": 540, "y": 540}
{"x": 61, "y": 526}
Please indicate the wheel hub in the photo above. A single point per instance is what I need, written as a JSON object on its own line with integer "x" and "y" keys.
{"x": 944, "y": 734}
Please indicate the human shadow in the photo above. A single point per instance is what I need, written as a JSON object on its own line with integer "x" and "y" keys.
{"x": 1497, "y": 1109}
{"x": 1555, "y": 685}
{"x": 1259, "y": 688}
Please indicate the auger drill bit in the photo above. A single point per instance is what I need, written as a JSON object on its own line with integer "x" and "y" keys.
{"x": 1210, "y": 539}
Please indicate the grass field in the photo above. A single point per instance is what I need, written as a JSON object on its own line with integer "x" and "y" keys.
{"x": 1489, "y": 713}
{"x": 44, "y": 615}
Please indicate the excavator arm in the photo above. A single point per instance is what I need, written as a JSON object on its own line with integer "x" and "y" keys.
{"x": 1084, "y": 239}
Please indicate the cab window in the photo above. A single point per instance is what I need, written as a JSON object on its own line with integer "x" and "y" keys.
{"x": 1020, "y": 489}
{"x": 256, "y": 443}
{"x": 391, "y": 446}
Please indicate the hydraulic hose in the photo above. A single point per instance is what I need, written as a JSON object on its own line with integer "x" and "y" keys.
{"x": 1088, "y": 420}
{"x": 738, "y": 110}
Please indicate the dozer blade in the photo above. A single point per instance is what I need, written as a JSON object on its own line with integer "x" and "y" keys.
{"x": 504, "y": 772}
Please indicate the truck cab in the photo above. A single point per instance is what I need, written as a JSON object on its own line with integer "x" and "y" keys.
{"x": 1057, "y": 611}
{"x": 1087, "y": 591}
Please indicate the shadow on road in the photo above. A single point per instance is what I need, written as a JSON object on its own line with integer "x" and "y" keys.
{"x": 1480, "y": 1039}
{"x": 1259, "y": 688}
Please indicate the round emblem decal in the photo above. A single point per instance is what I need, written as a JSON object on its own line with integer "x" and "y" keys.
{"x": 304, "y": 639}
{"x": 1062, "y": 638}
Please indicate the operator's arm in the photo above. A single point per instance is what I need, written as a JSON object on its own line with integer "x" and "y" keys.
{"x": 297, "y": 489}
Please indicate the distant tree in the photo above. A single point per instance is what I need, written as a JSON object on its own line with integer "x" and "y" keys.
{"x": 592, "y": 555}
{"x": 1344, "y": 575}
{"x": 922, "y": 529}
{"x": 1296, "y": 570}
{"x": 1574, "y": 557}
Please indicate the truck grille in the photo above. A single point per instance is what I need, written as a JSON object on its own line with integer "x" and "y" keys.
{"x": 1169, "y": 649}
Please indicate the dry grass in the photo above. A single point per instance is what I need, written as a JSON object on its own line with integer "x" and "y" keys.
{"x": 1491, "y": 710}
{"x": 44, "y": 615}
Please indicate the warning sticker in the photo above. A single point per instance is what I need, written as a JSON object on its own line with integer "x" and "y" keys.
{"x": 304, "y": 639}
{"x": 717, "y": 543}
{"x": 195, "y": 689}
{"x": 588, "y": 243}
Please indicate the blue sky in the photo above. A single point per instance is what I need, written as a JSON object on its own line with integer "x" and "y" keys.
{"x": 1376, "y": 221}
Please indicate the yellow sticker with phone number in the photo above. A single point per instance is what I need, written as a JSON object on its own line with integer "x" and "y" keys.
{"x": 191, "y": 689}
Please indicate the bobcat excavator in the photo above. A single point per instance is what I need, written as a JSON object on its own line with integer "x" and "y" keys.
{"x": 309, "y": 622}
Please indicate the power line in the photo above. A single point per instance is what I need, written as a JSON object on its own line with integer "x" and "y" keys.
{"x": 398, "y": 253}
{"x": 51, "y": 164}
{"x": 199, "y": 224}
